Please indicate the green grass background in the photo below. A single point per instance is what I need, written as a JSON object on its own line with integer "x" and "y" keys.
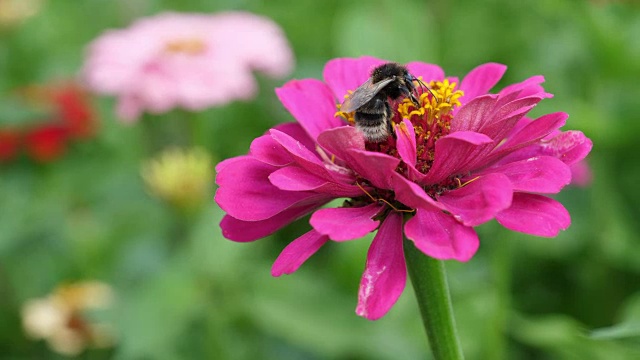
{"x": 184, "y": 292}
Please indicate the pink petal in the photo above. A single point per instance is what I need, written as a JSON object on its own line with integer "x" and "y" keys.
{"x": 543, "y": 174}
{"x": 246, "y": 194}
{"x": 348, "y": 223}
{"x": 297, "y": 252}
{"x": 385, "y": 273}
{"x": 530, "y": 132}
{"x": 337, "y": 141}
{"x": 440, "y": 236}
{"x": 129, "y": 108}
{"x": 480, "y": 200}
{"x": 244, "y": 231}
{"x": 346, "y": 74}
{"x": 406, "y": 142}
{"x": 412, "y": 195}
{"x": 535, "y": 214}
{"x": 296, "y": 131}
{"x": 569, "y": 146}
{"x": 299, "y": 153}
{"x": 311, "y": 103}
{"x": 267, "y": 150}
{"x": 293, "y": 178}
{"x": 506, "y": 117}
{"x": 581, "y": 174}
{"x": 480, "y": 80}
{"x": 526, "y": 88}
{"x": 347, "y": 143}
{"x": 377, "y": 168}
{"x": 474, "y": 114}
{"x": 429, "y": 72}
{"x": 454, "y": 153}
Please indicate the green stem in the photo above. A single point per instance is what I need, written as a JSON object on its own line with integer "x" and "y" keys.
{"x": 432, "y": 292}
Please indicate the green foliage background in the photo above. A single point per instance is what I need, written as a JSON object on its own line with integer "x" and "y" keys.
{"x": 184, "y": 292}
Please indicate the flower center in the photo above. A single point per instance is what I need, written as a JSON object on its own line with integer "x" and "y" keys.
{"x": 185, "y": 46}
{"x": 431, "y": 121}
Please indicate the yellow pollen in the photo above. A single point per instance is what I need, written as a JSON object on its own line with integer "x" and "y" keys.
{"x": 435, "y": 108}
{"x": 185, "y": 46}
{"x": 345, "y": 115}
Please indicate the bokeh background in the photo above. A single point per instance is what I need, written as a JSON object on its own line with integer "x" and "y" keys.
{"x": 181, "y": 291}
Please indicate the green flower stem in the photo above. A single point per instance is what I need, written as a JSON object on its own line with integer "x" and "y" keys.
{"x": 432, "y": 292}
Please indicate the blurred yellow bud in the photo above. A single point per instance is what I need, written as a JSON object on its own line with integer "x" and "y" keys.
{"x": 13, "y": 12}
{"x": 181, "y": 177}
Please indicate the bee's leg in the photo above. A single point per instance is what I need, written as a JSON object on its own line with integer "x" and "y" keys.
{"x": 410, "y": 95}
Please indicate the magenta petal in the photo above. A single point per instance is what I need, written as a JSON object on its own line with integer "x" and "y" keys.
{"x": 569, "y": 146}
{"x": 406, "y": 142}
{"x": 349, "y": 223}
{"x": 440, "y": 236}
{"x": 311, "y": 103}
{"x": 429, "y": 72}
{"x": 454, "y": 153}
{"x": 526, "y": 88}
{"x": 505, "y": 118}
{"x": 296, "y": 131}
{"x": 297, "y": 252}
{"x": 412, "y": 195}
{"x": 543, "y": 174}
{"x": 535, "y": 214}
{"x": 347, "y": 143}
{"x": 480, "y": 200}
{"x": 304, "y": 157}
{"x": 244, "y": 231}
{"x": 337, "y": 141}
{"x": 346, "y": 74}
{"x": 385, "y": 273}
{"x": 293, "y": 178}
{"x": 267, "y": 150}
{"x": 246, "y": 193}
{"x": 480, "y": 80}
{"x": 531, "y": 132}
{"x": 581, "y": 174}
{"x": 377, "y": 168}
{"x": 473, "y": 115}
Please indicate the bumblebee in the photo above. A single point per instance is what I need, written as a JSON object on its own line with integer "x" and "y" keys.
{"x": 370, "y": 101}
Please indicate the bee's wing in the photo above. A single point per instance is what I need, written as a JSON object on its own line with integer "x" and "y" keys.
{"x": 363, "y": 94}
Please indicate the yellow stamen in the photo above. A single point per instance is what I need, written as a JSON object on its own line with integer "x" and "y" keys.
{"x": 185, "y": 46}
{"x": 446, "y": 97}
{"x": 467, "y": 182}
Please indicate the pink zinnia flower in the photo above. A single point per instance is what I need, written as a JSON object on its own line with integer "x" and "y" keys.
{"x": 452, "y": 164}
{"x": 192, "y": 61}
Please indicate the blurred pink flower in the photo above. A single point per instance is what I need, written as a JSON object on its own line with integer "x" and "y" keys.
{"x": 581, "y": 174}
{"x": 454, "y": 163}
{"x": 192, "y": 61}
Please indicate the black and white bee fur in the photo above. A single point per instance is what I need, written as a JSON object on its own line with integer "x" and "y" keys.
{"x": 370, "y": 101}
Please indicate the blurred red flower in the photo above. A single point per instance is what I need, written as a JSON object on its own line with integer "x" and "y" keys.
{"x": 46, "y": 142}
{"x": 9, "y": 143}
{"x": 69, "y": 116}
{"x": 74, "y": 111}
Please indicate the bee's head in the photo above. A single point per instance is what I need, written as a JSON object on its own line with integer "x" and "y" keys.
{"x": 408, "y": 81}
